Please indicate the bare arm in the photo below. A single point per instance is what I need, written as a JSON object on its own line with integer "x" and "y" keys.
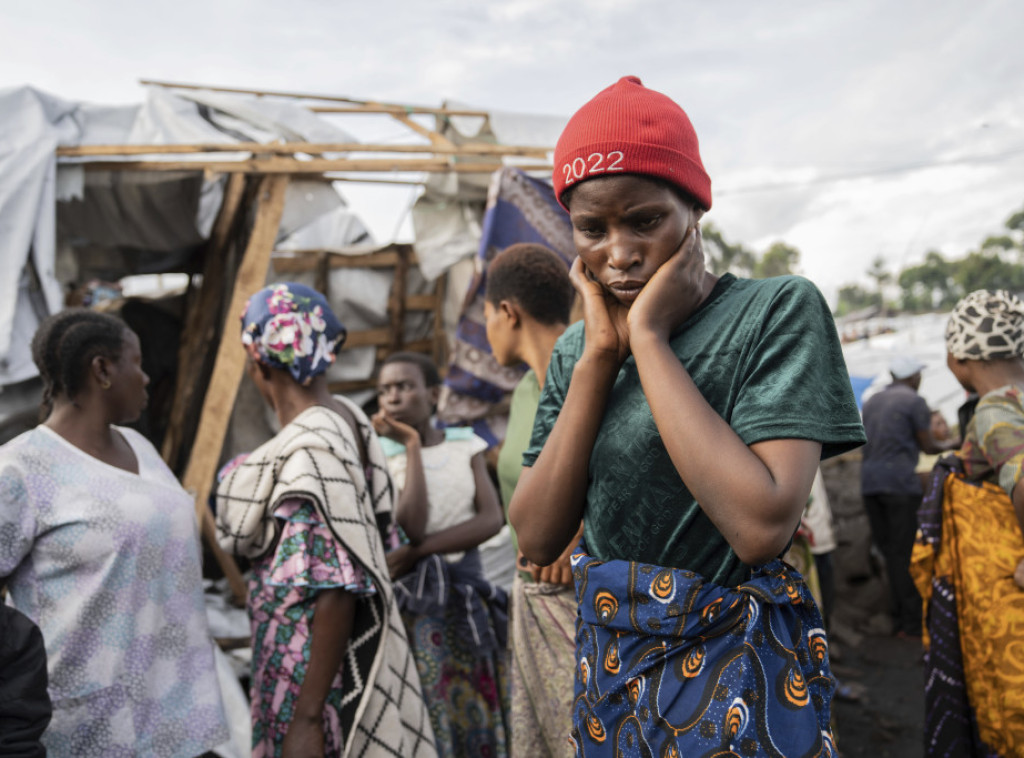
{"x": 413, "y": 504}
{"x": 930, "y": 446}
{"x": 753, "y": 495}
{"x": 330, "y": 632}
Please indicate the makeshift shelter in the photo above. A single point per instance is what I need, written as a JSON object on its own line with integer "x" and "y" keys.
{"x": 224, "y": 186}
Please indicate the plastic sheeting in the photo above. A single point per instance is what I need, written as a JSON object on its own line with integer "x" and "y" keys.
{"x": 115, "y": 219}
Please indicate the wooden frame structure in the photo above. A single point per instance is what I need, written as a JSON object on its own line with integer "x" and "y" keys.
{"x": 239, "y": 252}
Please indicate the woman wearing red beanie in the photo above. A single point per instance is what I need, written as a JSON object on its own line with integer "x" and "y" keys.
{"x": 683, "y": 421}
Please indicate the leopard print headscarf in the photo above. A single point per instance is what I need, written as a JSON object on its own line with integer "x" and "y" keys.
{"x": 986, "y": 326}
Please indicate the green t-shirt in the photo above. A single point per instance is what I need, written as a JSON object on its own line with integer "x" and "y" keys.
{"x": 766, "y": 356}
{"x": 525, "y": 398}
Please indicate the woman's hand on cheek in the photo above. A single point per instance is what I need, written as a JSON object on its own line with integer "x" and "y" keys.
{"x": 674, "y": 292}
{"x": 604, "y": 317}
{"x": 387, "y": 426}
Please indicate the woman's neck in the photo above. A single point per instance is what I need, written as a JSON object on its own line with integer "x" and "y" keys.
{"x": 83, "y": 424}
{"x": 429, "y": 434}
{"x": 991, "y": 375}
{"x": 538, "y": 343}
{"x": 292, "y": 398}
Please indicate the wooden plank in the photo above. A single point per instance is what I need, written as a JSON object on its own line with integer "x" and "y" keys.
{"x": 420, "y": 302}
{"x": 352, "y": 385}
{"x": 369, "y": 337}
{"x": 396, "y": 302}
{"x": 438, "y": 140}
{"x": 307, "y": 260}
{"x": 243, "y": 91}
{"x": 284, "y": 165}
{"x": 228, "y": 368}
{"x": 373, "y": 107}
{"x": 413, "y": 110}
{"x": 200, "y": 323}
{"x": 439, "y": 349}
{"x": 296, "y": 261}
{"x": 290, "y": 148}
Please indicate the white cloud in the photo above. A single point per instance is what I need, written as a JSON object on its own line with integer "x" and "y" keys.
{"x": 780, "y": 94}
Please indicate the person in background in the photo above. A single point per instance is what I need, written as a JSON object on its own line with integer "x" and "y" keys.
{"x": 969, "y": 558}
{"x": 332, "y": 671}
{"x": 25, "y": 708}
{"x": 527, "y": 301}
{"x": 99, "y": 547}
{"x": 683, "y": 421}
{"x": 457, "y": 621}
{"x": 898, "y": 423}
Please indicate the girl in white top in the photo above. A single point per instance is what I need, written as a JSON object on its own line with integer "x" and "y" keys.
{"x": 447, "y": 506}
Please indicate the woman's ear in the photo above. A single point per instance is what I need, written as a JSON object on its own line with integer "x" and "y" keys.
{"x": 510, "y": 310}
{"x": 100, "y": 368}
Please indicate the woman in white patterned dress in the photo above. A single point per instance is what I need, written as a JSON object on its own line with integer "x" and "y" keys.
{"x": 99, "y": 547}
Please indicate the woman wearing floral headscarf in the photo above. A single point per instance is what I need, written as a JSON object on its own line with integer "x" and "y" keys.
{"x": 969, "y": 560}
{"x": 332, "y": 672}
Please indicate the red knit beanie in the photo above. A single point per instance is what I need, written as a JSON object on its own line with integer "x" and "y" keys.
{"x": 630, "y": 129}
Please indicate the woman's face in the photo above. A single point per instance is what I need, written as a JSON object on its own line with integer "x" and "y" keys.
{"x": 499, "y": 334}
{"x": 128, "y": 381}
{"x": 961, "y": 371}
{"x": 625, "y": 227}
{"x": 402, "y": 392}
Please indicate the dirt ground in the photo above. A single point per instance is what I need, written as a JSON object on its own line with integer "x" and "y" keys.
{"x": 882, "y": 711}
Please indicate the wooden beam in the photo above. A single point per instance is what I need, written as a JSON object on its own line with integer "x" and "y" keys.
{"x": 368, "y": 337}
{"x": 310, "y": 148}
{"x": 396, "y": 303}
{"x": 438, "y": 140}
{"x": 198, "y": 332}
{"x": 363, "y": 106}
{"x": 283, "y": 165}
{"x": 412, "y": 110}
{"x": 420, "y": 302}
{"x": 242, "y": 91}
{"x": 229, "y": 363}
{"x": 297, "y": 261}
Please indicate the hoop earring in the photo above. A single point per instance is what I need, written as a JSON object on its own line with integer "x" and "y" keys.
{"x": 105, "y": 384}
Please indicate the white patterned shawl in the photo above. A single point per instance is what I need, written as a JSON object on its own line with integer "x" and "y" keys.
{"x": 316, "y": 457}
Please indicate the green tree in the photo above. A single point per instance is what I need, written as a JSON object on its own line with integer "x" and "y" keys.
{"x": 853, "y": 298}
{"x": 928, "y": 285}
{"x": 881, "y": 276}
{"x": 984, "y": 270}
{"x": 723, "y": 256}
{"x": 778, "y": 260}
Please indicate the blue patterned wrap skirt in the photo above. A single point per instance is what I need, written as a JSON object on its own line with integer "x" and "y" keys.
{"x": 669, "y": 664}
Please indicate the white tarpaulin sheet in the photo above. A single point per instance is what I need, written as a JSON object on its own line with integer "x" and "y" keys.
{"x": 36, "y": 123}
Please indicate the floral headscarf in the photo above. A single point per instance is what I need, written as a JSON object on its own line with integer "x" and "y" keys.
{"x": 291, "y": 326}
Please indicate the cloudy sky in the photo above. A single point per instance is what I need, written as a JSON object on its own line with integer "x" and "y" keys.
{"x": 849, "y": 130}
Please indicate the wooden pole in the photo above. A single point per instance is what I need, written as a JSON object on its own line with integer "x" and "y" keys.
{"x": 311, "y": 148}
{"x": 286, "y": 165}
{"x": 200, "y": 319}
{"x": 227, "y": 370}
{"x": 397, "y": 305}
{"x": 366, "y": 106}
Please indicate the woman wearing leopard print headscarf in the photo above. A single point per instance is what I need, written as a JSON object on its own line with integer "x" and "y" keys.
{"x": 969, "y": 560}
